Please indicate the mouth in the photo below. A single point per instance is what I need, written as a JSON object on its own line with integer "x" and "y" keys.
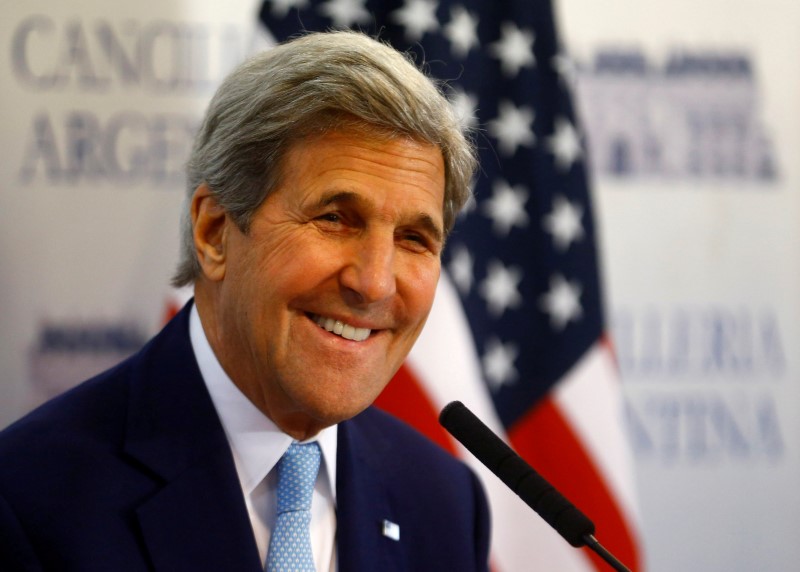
{"x": 340, "y": 328}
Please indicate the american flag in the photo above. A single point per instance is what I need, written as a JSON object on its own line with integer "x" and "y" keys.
{"x": 517, "y": 330}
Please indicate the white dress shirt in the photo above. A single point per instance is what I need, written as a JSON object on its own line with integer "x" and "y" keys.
{"x": 257, "y": 445}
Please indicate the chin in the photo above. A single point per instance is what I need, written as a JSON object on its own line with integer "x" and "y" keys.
{"x": 332, "y": 400}
{"x": 331, "y": 408}
{"x": 328, "y": 415}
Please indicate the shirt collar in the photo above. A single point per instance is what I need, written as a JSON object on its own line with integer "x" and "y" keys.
{"x": 257, "y": 443}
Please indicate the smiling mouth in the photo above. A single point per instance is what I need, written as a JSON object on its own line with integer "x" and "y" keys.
{"x": 339, "y": 328}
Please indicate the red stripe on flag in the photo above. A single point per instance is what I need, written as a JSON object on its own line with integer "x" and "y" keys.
{"x": 405, "y": 398}
{"x": 607, "y": 344}
{"x": 546, "y": 441}
{"x": 171, "y": 309}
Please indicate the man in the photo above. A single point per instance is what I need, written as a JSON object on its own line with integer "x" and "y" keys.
{"x": 322, "y": 184}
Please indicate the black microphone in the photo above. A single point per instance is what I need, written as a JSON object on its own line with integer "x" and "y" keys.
{"x": 521, "y": 478}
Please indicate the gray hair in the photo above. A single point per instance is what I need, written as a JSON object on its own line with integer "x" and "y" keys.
{"x": 305, "y": 87}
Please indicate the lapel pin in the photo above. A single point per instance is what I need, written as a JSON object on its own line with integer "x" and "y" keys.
{"x": 391, "y": 530}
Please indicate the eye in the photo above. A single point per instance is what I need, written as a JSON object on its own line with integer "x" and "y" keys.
{"x": 333, "y": 220}
{"x": 417, "y": 242}
{"x": 330, "y": 217}
{"x": 336, "y": 222}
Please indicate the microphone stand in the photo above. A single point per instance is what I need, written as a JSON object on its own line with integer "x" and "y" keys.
{"x": 601, "y": 551}
{"x": 521, "y": 478}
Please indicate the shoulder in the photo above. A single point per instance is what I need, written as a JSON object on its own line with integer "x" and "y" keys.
{"x": 95, "y": 409}
{"x": 391, "y": 435}
{"x": 54, "y": 454}
{"x": 412, "y": 462}
{"x": 73, "y": 415}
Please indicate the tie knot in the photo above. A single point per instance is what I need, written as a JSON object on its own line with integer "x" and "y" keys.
{"x": 297, "y": 473}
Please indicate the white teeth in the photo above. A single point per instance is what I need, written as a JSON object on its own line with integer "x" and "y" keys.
{"x": 341, "y": 329}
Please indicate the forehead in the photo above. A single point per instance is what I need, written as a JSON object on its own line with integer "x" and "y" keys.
{"x": 376, "y": 167}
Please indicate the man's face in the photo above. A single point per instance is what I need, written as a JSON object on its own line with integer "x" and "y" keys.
{"x": 324, "y": 296}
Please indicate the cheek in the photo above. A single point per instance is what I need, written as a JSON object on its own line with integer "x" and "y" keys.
{"x": 425, "y": 279}
{"x": 279, "y": 260}
{"x": 302, "y": 249}
{"x": 299, "y": 272}
{"x": 419, "y": 290}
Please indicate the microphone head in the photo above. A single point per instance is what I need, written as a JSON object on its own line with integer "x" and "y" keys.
{"x": 455, "y": 413}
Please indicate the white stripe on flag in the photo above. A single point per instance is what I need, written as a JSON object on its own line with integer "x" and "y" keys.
{"x": 590, "y": 398}
{"x": 445, "y": 362}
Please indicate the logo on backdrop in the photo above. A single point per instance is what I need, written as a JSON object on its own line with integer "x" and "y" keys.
{"x": 77, "y": 71}
{"x": 694, "y": 116}
{"x": 68, "y": 352}
{"x": 703, "y": 383}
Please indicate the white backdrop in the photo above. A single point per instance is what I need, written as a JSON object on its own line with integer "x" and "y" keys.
{"x": 99, "y": 104}
{"x": 693, "y": 112}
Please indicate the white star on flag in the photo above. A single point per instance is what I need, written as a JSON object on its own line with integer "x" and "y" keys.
{"x": 498, "y": 363}
{"x": 462, "y": 31}
{"x": 564, "y": 222}
{"x": 562, "y": 302}
{"x": 506, "y": 208}
{"x": 512, "y": 128}
{"x": 460, "y": 268}
{"x": 514, "y": 49}
{"x": 500, "y": 288}
{"x": 281, "y": 7}
{"x": 466, "y": 107}
{"x": 345, "y": 13}
{"x": 565, "y": 144}
{"x": 418, "y": 17}
{"x": 565, "y": 68}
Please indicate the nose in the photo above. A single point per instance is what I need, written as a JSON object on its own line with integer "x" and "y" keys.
{"x": 369, "y": 273}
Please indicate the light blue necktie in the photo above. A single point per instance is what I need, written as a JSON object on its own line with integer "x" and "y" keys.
{"x": 290, "y": 544}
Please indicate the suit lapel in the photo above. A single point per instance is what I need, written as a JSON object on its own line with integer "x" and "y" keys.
{"x": 364, "y": 501}
{"x": 197, "y": 520}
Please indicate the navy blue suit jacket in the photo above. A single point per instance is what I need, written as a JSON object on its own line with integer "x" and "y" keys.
{"x": 132, "y": 471}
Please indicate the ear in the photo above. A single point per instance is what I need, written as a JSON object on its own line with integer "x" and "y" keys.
{"x": 210, "y": 231}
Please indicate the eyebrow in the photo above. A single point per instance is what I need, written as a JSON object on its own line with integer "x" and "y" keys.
{"x": 422, "y": 219}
